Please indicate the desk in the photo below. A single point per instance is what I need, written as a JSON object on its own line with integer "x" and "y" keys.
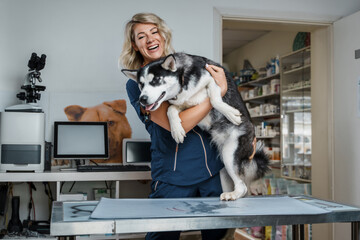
{"x": 66, "y": 176}
{"x": 334, "y": 213}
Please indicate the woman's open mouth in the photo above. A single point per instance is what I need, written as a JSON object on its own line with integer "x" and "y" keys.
{"x": 153, "y": 106}
{"x": 154, "y": 47}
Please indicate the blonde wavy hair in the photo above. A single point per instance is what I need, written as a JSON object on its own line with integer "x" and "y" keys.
{"x": 131, "y": 59}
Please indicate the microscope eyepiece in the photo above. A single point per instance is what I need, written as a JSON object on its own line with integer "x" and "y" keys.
{"x": 41, "y": 63}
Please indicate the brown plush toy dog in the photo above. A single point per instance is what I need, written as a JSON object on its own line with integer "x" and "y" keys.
{"x": 112, "y": 112}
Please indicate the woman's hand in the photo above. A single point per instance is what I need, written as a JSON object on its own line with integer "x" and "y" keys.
{"x": 219, "y": 76}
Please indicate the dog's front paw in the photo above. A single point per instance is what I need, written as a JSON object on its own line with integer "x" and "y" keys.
{"x": 234, "y": 116}
{"x": 231, "y": 196}
{"x": 178, "y": 134}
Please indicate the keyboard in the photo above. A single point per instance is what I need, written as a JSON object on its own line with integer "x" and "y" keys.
{"x": 111, "y": 168}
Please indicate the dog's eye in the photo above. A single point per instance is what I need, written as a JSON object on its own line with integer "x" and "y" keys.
{"x": 111, "y": 123}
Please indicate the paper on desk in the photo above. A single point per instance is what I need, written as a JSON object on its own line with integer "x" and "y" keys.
{"x": 201, "y": 207}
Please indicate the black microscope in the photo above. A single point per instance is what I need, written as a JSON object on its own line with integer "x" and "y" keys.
{"x": 32, "y": 91}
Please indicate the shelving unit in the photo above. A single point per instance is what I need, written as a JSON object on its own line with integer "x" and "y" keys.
{"x": 296, "y": 115}
{"x": 262, "y": 98}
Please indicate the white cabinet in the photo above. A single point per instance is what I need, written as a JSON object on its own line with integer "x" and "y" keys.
{"x": 296, "y": 115}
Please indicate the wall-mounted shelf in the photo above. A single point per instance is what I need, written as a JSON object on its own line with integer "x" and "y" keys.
{"x": 267, "y": 96}
{"x": 270, "y": 115}
{"x": 259, "y": 81}
{"x": 297, "y": 89}
{"x": 297, "y": 179}
{"x": 297, "y": 70}
{"x": 267, "y": 137}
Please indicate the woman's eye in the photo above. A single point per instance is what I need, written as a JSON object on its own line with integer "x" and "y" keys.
{"x": 155, "y": 32}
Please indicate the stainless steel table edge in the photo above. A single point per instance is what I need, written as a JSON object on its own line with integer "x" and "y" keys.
{"x": 59, "y": 227}
{"x": 198, "y": 223}
{"x": 120, "y": 226}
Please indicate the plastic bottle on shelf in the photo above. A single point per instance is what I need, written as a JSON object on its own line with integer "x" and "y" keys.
{"x": 273, "y": 68}
{"x": 277, "y": 64}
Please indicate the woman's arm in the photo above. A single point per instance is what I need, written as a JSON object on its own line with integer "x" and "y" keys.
{"x": 191, "y": 116}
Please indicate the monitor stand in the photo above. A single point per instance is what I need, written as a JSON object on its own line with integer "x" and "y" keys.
{"x": 73, "y": 167}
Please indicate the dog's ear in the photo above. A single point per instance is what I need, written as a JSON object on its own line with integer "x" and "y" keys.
{"x": 74, "y": 112}
{"x": 169, "y": 63}
{"x": 132, "y": 74}
{"x": 117, "y": 105}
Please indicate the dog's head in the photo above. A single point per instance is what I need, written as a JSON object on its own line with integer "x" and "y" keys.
{"x": 112, "y": 112}
{"x": 158, "y": 81}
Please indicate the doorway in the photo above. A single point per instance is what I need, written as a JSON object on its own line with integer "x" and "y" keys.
{"x": 249, "y": 32}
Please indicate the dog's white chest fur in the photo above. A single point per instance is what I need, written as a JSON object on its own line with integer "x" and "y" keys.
{"x": 195, "y": 93}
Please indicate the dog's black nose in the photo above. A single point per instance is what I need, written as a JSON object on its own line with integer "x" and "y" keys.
{"x": 143, "y": 100}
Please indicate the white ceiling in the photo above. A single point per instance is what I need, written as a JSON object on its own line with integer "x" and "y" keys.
{"x": 233, "y": 39}
{"x": 236, "y": 33}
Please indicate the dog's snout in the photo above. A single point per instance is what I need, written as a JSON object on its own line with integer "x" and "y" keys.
{"x": 143, "y": 100}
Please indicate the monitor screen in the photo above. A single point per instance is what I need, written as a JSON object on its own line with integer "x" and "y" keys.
{"x": 136, "y": 151}
{"x": 81, "y": 140}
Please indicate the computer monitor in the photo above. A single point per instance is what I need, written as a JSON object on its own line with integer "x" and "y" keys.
{"x": 136, "y": 151}
{"x": 81, "y": 140}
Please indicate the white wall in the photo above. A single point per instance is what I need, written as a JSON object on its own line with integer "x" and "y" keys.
{"x": 83, "y": 38}
{"x": 261, "y": 50}
{"x": 346, "y": 118}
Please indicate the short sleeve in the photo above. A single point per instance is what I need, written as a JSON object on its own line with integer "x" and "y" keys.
{"x": 133, "y": 92}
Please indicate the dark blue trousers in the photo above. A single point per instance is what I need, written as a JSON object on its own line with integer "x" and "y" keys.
{"x": 208, "y": 188}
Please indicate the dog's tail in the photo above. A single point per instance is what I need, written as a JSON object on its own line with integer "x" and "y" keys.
{"x": 262, "y": 160}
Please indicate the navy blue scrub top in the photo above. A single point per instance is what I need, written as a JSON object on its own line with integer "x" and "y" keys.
{"x": 183, "y": 164}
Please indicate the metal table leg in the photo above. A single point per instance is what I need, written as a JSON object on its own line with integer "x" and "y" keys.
{"x": 295, "y": 232}
{"x": 298, "y": 232}
{"x": 302, "y": 232}
{"x": 355, "y": 230}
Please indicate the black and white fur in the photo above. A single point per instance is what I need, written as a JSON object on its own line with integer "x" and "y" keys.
{"x": 183, "y": 80}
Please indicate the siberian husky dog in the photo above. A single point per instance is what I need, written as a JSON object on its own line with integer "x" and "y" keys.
{"x": 183, "y": 80}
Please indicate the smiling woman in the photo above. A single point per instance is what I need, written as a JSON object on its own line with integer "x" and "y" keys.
{"x": 148, "y": 41}
{"x": 190, "y": 169}
{"x": 140, "y": 29}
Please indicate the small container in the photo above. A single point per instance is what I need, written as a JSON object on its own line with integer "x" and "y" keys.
{"x": 275, "y": 86}
{"x": 276, "y": 151}
{"x": 251, "y": 93}
{"x": 266, "y": 89}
